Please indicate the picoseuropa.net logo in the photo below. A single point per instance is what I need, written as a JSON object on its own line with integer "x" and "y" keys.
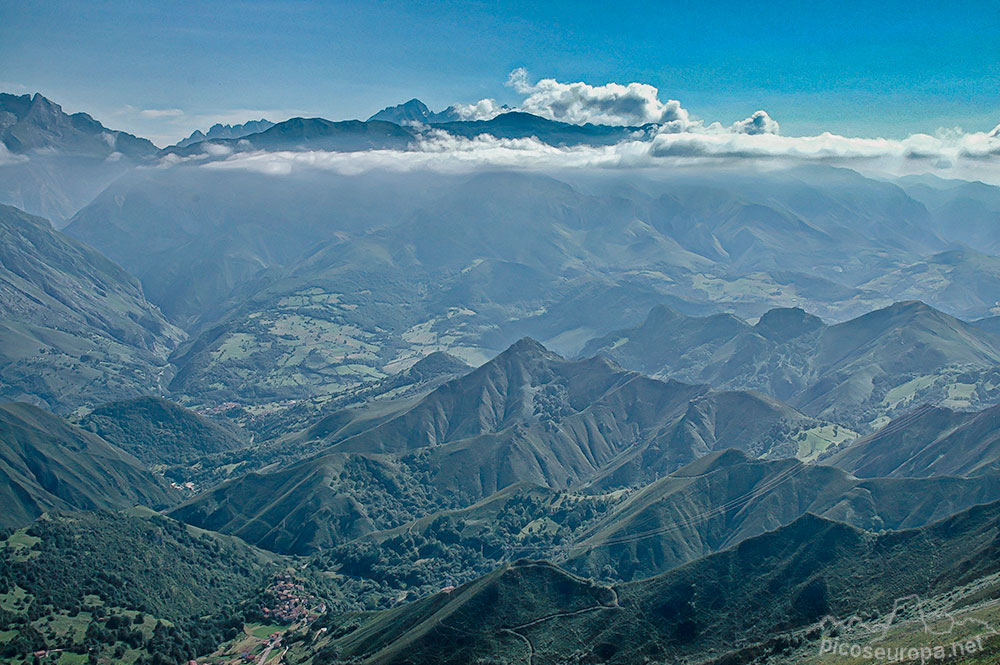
{"x": 945, "y": 637}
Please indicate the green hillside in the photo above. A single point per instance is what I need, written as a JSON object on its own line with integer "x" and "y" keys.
{"x": 727, "y": 497}
{"x": 929, "y": 441}
{"x": 75, "y": 328}
{"x": 314, "y": 504}
{"x": 806, "y": 571}
{"x": 48, "y": 464}
{"x": 856, "y": 373}
{"x": 158, "y": 431}
{"x": 124, "y": 586}
{"x": 451, "y": 547}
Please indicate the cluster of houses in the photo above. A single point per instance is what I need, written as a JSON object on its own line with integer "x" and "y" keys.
{"x": 292, "y": 603}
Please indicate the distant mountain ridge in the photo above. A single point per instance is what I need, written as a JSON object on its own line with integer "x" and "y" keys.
{"x": 854, "y": 372}
{"x": 305, "y": 134}
{"x": 53, "y": 163}
{"x": 398, "y": 128}
{"x": 32, "y": 122}
{"x": 413, "y": 112}
{"x": 221, "y": 131}
{"x": 477, "y": 261}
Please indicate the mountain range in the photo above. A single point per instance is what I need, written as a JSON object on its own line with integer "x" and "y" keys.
{"x": 262, "y": 401}
{"x": 726, "y": 497}
{"x": 221, "y": 131}
{"x": 277, "y": 303}
{"x": 528, "y": 415}
{"x": 857, "y": 372}
{"x": 807, "y": 570}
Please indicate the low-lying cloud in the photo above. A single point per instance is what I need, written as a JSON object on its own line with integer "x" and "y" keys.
{"x": 950, "y": 154}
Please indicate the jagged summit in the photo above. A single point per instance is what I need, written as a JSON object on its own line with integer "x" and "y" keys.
{"x": 411, "y": 112}
{"x": 221, "y": 131}
{"x": 34, "y": 122}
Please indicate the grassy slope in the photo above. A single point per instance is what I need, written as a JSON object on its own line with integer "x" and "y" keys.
{"x": 927, "y": 442}
{"x": 725, "y": 498}
{"x": 158, "y": 431}
{"x": 74, "y": 327}
{"x": 48, "y": 464}
{"x": 808, "y": 569}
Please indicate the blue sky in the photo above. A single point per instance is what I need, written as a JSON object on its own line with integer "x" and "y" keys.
{"x": 163, "y": 69}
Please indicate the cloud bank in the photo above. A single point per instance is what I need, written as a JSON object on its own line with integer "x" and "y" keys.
{"x": 950, "y": 154}
{"x": 672, "y": 138}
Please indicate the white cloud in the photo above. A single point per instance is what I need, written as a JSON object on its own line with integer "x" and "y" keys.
{"x": 484, "y": 109}
{"x": 155, "y": 114}
{"x": 758, "y": 123}
{"x": 609, "y": 104}
{"x": 960, "y": 155}
{"x": 678, "y": 141}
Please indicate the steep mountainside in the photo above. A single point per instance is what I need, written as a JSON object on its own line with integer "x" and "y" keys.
{"x": 47, "y": 464}
{"x": 33, "y": 122}
{"x": 314, "y": 504}
{"x": 855, "y": 372}
{"x": 727, "y": 497}
{"x": 806, "y": 570}
{"x": 158, "y": 431}
{"x": 929, "y": 441}
{"x": 407, "y": 113}
{"x": 74, "y": 327}
{"x": 990, "y": 324}
{"x": 528, "y": 415}
{"x": 54, "y": 163}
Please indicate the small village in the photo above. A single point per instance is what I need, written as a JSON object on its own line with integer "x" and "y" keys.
{"x": 293, "y": 604}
